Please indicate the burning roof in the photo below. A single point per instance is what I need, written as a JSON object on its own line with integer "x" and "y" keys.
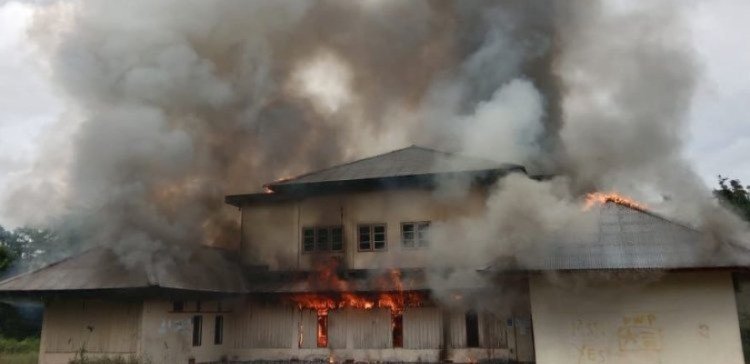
{"x": 628, "y": 237}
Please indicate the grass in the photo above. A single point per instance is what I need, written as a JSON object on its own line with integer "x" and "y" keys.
{"x": 24, "y": 351}
{"x": 19, "y": 358}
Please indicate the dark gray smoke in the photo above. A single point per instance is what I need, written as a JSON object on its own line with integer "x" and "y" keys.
{"x": 174, "y": 104}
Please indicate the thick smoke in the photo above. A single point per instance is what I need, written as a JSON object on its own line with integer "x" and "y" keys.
{"x": 627, "y": 77}
{"x": 174, "y": 104}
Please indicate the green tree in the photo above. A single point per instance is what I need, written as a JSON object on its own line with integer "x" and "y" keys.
{"x": 31, "y": 248}
{"x": 6, "y": 258}
{"x": 6, "y": 254}
{"x": 734, "y": 194}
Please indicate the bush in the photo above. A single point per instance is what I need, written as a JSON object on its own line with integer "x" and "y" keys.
{"x": 12, "y": 346}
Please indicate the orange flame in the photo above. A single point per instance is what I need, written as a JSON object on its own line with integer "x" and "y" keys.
{"x": 342, "y": 296}
{"x": 267, "y": 187}
{"x": 614, "y": 197}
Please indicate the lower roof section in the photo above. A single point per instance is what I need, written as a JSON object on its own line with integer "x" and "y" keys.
{"x": 101, "y": 269}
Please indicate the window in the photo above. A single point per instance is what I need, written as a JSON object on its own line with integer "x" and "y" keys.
{"x": 322, "y": 239}
{"x": 218, "y": 330}
{"x": 372, "y": 237}
{"x": 178, "y": 306}
{"x": 472, "y": 330}
{"x": 414, "y": 234}
{"x": 197, "y": 330}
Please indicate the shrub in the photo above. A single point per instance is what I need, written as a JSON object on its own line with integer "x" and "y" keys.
{"x": 13, "y": 346}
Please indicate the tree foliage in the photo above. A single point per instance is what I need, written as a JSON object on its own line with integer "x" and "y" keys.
{"x": 6, "y": 254}
{"x": 734, "y": 194}
{"x": 6, "y": 258}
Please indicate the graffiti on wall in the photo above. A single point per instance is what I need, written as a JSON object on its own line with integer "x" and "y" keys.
{"x": 635, "y": 338}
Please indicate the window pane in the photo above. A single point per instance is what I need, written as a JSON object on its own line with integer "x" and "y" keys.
{"x": 378, "y": 237}
{"x": 308, "y": 239}
{"x": 364, "y": 238}
{"x": 337, "y": 239}
{"x": 321, "y": 243}
{"x": 407, "y": 235}
{"x": 422, "y": 234}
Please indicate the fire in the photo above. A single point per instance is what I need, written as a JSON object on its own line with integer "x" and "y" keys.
{"x": 602, "y": 198}
{"x": 340, "y": 296}
{"x": 267, "y": 187}
{"x": 396, "y": 302}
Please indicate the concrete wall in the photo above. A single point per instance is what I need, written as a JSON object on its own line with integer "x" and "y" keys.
{"x": 167, "y": 336}
{"x": 272, "y": 231}
{"x": 101, "y": 328}
{"x": 681, "y": 318}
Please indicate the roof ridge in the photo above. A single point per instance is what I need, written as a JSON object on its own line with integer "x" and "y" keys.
{"x": 348, "y": 163}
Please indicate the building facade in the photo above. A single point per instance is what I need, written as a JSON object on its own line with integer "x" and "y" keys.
{"x": 333, "y": 266}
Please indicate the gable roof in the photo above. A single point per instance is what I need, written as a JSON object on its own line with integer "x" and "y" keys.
{"x": 203, "y": 269}
{"x": 409, "y": 161}
{"x": 629, "y": 238}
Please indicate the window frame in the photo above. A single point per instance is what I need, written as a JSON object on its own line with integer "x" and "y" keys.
{"x": 416, "y": 241}
{"x": 371, "y": 232}
{"x": 329, "y": 239}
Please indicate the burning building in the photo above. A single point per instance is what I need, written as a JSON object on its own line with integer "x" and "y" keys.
{"x": 341, "y": 264}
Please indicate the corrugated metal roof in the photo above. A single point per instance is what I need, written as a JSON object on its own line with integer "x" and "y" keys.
{"x": 410, "y": 161}
{"x": 203, "y": 269}
{"x": 628, "y": 238}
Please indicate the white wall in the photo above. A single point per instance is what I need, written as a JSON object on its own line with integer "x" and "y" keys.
{"x": 271, "y": 231}
{"x": 680, "y": 318}
{"x": 100, "y": 327}
{"x": 167, "y": 336}
{"x": 153, "y": 331}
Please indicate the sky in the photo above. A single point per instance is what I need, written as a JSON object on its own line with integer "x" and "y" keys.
{"x": 718, "y": 140}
